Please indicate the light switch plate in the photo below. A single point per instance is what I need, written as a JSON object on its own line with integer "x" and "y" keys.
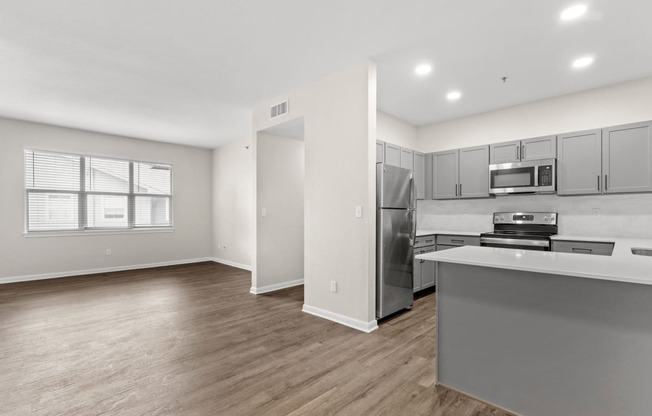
{"x": 263, "y": 212}
{"x": 358, "y": 211}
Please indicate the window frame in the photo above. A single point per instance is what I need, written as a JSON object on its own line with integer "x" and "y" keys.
{"x": 82, "y": 219}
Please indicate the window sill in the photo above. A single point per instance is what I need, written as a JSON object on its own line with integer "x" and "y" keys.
{"x": 40, "y": 234}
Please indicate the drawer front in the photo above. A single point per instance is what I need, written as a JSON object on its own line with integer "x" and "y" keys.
{"x": 458, "y": 240}
{"x": 583, "y": 247}
{"x": 424, "y": 240}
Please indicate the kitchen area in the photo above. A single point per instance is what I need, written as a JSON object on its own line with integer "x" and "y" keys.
{"x": 540, "y": 252}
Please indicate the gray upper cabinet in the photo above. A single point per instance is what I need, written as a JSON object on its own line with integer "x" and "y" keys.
{"x": 407, "y": 158}
{"x": 539, "y": 148}
{"x": 627, "y": 158}
{"x": 505, "y": 152}
{"x": 474, "y": 172}
{"x": 420, "y": 174}
{"x": 528, "y": 149}
{"x": 380, "y": 151}
{"x": 579, "y": 165}
{"x": 392, "y": 154}
{"x": 445, "y": 174}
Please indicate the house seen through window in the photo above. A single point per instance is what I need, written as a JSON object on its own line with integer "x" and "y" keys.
{"x": 66, "y": 192}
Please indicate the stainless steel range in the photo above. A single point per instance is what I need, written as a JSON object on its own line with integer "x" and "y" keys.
{"x": 521, "y": 230}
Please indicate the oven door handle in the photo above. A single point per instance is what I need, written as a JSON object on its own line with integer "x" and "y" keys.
{"x": 515, "y": 242}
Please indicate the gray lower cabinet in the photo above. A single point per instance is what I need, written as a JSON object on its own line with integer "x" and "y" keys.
{"x": 380, "y": 151}
{"x": 448, "y": 241}
{"x": 583, "y": 247}
{"x": 420, "y": 174}
{"x": 392, "y": 154}
{"x": 520, "y": 150}
{"x": 424, "y": 271}
{"x": 457, "y": 240}
{"x": 627, "y": 158}
{"x": 579, "y": 165}
{"x": 461, "y": 173}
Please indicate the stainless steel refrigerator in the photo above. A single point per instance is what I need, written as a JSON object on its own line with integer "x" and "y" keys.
{"x": 395, "y": 233}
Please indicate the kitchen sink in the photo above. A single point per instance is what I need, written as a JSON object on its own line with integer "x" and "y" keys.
{"x": 642, "y": 251}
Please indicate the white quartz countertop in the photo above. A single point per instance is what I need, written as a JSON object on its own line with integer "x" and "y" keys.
{"x": 621, "y": 266}
{"x": 449, "y": 232}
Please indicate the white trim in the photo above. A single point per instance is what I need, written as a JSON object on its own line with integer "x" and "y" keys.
{"x": 341, "y": 319}
{"x": 44, "y": 276}
{"x": 275, "y": 287}
{"x": 232, "y": 263}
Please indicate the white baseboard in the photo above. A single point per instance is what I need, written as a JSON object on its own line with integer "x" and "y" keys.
{"x": 232, "y": 264}
{"x": 44, "y": 276}
{"x": 341, "y": 319}
{"x": 274, "y": 288}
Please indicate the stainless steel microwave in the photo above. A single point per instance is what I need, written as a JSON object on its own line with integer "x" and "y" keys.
{"x": 532, "y": 176}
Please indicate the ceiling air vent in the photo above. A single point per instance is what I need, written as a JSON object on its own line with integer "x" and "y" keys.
{"x": 279, "y": 109}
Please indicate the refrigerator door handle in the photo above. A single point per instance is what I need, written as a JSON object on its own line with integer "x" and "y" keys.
{"x": 413, "y": 206}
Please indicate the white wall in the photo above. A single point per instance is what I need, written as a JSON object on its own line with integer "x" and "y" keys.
{"x": 620, "y": 215}
{"x": 340, "y": 133}
{"x": 22, "y": 256}
{"x": 396, "y": 131}
{"x": 232, "y": 203}
{"x": 280, "y": 191}
{"x": 617, "y": 104}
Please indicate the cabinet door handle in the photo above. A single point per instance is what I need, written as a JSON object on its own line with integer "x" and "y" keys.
{"x": 518, "y": 152}
{"x": 455, "y": 189}
{"x": 598, "y": 182}
{"x": 523, "y": 152}
{"x": 582, "y": 250}
{"x": 457, "y": 241}
{"x": 605, "y": 182}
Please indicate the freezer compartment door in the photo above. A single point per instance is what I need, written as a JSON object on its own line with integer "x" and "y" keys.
{"x": 394, "y": 268}
{"x": 394, "y": 187}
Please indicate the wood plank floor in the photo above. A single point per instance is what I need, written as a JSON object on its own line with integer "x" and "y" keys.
{"x": 191, "y": 340}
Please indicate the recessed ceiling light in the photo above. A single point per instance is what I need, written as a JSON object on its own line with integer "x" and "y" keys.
{"x": 583, "y": 62}
{"x": 573, "y": 12}
{"x": 453, "y": 95}
{"x": 423, "y": 69}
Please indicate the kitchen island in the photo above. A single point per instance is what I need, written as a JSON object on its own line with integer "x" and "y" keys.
{"x": 545, "y": 333}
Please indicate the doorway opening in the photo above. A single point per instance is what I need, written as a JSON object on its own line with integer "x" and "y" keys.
{"x": 280, "y": 178}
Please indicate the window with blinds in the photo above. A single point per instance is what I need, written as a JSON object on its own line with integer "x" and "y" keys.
{"x": 67, "y": 192}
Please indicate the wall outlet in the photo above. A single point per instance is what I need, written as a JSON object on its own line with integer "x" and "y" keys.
{"x": 333, "y": 286}
{"x": 108, "y": 251}
{"x": 596, "y": 212}
{"x": 358, "y": 211}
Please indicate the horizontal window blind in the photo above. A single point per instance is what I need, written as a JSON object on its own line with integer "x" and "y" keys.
{"x": 67, "y": 192}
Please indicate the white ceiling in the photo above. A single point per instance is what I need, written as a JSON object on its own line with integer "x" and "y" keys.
{"x": 189, "y": 72}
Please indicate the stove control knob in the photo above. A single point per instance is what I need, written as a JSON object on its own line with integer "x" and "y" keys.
{"x": 496, "y": 218}
{"x": 547, "y": 218}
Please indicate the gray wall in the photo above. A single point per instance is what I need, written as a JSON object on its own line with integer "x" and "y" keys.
{"x": 22, "y": 256}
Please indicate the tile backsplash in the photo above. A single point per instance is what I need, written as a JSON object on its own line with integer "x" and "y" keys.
{"x": 595, "y": 215}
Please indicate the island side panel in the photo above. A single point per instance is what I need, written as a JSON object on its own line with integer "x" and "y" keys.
{"x": 542, "y": 345}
